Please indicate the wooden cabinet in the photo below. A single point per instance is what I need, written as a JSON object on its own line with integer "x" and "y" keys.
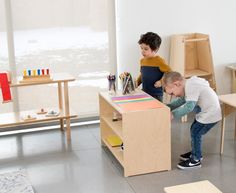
{"x": 16, "y": 118}
{"x": 190, "y": 54}
{"x": 145, "y": 135}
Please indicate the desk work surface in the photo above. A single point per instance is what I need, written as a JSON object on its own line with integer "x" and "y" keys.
{"x": 195, "y": 187}
{"x": 137, "y": 101}
{"x": 229, "y": 99}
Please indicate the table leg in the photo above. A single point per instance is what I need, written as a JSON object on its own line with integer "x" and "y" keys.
{"x": 235, "y": 129}
{"x": 222, "y": 130}
{"x": 67, "y": 111}
{"x": 60, "y": 104}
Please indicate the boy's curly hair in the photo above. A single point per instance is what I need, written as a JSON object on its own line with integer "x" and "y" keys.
{"x": 151, "y": 39}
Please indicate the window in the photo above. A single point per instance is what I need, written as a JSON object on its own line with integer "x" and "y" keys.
{"x": 64, "y": 36}
{"x": 3, "y": 53}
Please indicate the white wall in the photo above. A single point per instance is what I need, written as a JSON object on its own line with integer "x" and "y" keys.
{"x": 213, "y": 17}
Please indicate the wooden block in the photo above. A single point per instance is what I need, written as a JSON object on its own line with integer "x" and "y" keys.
{"x": 37, "y": 78}
{"x": 195, "y": 187}
{"x": 42, "y": 111}
{"x": 114, "y": 140}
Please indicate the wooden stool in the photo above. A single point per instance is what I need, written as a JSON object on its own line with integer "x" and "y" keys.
{"x": 195, "y": 187}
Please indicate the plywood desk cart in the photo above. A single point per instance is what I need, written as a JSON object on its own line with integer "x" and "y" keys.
{"x": 15, "y": 119}
{"x": 190, "y": 55}
{"x": 145, "y": 135}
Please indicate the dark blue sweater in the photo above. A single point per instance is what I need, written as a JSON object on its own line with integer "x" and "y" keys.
{"x": 152, "y": 70}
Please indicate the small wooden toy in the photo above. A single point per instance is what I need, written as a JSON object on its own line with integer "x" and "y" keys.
{"x": 36, "y": 75}
{"x": 116, "y": 116}
{"x": 52, "y": 113}
{"x": 42, "y": 111}
{"x": 29, "y": 118}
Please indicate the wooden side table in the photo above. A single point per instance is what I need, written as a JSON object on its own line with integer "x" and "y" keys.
{"x": 61, "y": 79}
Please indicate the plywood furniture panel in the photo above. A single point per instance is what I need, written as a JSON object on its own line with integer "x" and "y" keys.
{"x": 145, "y": 135}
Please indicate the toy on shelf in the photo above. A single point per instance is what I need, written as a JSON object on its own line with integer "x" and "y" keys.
{"x": 127, "y": 83}
{"x": 112, "y": 83}
{"x": 42, "y": 111}
{"x": 36, "y": 75}
{"x": 116, "y": 116}
{"x": 29, "y": 117}
{"x": 52, "y": 113}
{"x": 114, "y": 140}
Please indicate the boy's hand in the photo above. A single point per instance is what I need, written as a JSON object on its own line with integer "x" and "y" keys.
{"x": 157, "y": 84}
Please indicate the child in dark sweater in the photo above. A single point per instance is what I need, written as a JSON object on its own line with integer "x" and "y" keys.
{"x": 153, "y": 66}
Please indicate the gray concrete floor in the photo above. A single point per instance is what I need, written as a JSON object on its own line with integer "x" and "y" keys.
{"x": 84, "y": 167}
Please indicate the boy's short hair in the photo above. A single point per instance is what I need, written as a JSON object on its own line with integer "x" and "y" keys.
{"x": 151, "y": 39}
{"x": 170, "y": 77}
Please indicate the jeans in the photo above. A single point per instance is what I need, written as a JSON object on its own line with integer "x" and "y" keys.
{"x": 197, "y": 130}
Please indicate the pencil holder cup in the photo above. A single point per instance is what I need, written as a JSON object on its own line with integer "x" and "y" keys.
{"x": 127, "y": 83}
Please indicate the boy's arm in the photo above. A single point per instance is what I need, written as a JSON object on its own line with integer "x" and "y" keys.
{"x": 176, "y": 103}
{"x": 184, "y": 109}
